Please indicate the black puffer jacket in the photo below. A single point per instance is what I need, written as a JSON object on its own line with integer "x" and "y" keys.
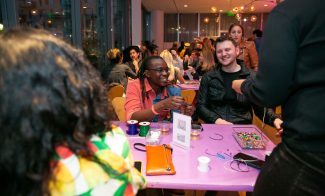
{"x": 211, "y": 104}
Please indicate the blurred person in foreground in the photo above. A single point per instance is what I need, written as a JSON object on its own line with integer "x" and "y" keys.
{"x": 56, "y": 138}
{"x": 291, "y": 74}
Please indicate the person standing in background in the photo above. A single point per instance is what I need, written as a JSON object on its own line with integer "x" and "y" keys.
{"x": 258, "y": 39}
{"x": 291, "y": 74}
{"x": 247, "y": 51}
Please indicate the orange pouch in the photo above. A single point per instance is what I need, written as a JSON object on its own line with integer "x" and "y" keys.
{"x": 159, "y": 160}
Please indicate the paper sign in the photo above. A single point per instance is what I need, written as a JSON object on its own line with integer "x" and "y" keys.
{"x": 181, "y": 130}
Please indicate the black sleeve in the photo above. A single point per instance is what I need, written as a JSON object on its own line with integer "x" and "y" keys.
{"x": 265, "y": 114}
{"x": 202, "y": 107}
{"x": 275, "y": 76}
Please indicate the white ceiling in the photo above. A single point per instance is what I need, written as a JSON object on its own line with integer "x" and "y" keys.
{"x": 204, "y": 6}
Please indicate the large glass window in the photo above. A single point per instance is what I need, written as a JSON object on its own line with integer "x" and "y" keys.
{"x": 188, "y": 24}
{"x": 52, "y": 15}
{"x": 209, "y": 26}
{"x": 89, "y": 37}
{"x": 170, "y": 27}
{"x": 1, "y": 20}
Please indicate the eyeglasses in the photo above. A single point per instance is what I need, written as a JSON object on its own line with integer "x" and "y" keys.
{"x": 160, "y": 69}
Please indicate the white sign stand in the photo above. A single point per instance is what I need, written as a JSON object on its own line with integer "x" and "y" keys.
{"x": 181, "y": 130}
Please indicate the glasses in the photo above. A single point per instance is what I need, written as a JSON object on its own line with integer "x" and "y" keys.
{"x": 160, "y": 69}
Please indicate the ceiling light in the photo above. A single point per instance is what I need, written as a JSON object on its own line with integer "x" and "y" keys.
{"x": 185, "y": 5}
{"x": 266, "y": 5}
{"x": 252, "y": 8}
{"x": 220, "y": 10}
{"x": 84, "y": 7}
{"x": 213, "y": 9}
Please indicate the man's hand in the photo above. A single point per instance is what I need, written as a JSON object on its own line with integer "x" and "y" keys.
{"x": 236, "y": 84}
{"x": 278, "y": 125}
{"x": 220, "y": 121}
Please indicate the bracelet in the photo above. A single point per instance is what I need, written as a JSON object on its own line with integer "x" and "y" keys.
{"x": 153, "y": 110}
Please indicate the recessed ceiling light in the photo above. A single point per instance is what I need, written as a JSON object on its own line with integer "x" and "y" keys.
{"x": 266, "y": 5}
{"x": 220, "y": 10}
{"x": 185, "y": 5}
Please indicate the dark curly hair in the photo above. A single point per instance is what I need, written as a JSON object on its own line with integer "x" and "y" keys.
{"x": 50, "y": 95}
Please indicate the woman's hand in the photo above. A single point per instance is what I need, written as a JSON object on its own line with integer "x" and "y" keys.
{"x": 173, "y": 103}
{"x": 220, "y": 121}
{"x": 187, "y": 110}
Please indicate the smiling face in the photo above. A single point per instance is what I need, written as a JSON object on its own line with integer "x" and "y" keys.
{"x": 226, "y": 53}
{"x": 157, "y": 73}
{"x": 236, "y": 33}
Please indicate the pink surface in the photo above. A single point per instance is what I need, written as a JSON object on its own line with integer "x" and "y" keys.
{"x": 219, "y": 177}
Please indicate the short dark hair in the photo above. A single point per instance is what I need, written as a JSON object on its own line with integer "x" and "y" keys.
{"x": 136, "y": 48}
{"x": 226, "y": 38}
{"x": 50, "y": 95}
{"x": 258, "y": 33}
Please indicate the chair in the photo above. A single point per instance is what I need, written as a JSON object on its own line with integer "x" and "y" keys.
{"x": 188, "y": 95}
{"x": 115, "y": 91}
{"x": 118, "y": 105}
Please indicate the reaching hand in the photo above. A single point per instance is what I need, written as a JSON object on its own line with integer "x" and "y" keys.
{"x": 278, "y": 125}
{"x": 236, "y": 84}
{"x": 220, "y": 121}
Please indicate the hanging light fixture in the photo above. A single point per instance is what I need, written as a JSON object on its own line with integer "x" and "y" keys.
{"x": 253, "y": 18}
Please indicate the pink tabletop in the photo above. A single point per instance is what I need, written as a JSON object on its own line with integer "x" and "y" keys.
{"x": 190, "y": 85}
{"x": 219, "y": 177}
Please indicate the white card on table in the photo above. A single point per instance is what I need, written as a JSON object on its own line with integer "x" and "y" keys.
{"x": 181, "y": 130}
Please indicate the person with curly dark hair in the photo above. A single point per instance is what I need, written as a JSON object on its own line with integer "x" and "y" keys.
{"x": 150, "y": 97}
{"x": 56, "y": 138}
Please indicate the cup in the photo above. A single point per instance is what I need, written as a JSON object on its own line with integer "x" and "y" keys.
{"x": 203, "y": 165}
{"x": 164, "y": 126}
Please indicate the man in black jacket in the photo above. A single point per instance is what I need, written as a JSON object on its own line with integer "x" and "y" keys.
{"x": 292, "y": 74}
{"x": 217, "y": 102}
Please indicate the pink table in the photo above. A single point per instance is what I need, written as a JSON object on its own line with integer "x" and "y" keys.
{"x": 219, "y": 177}
{"x": 190, "y": 85}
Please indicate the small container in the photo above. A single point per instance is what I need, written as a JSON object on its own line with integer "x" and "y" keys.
{"x": 196, "y": 130}
{"x": 153, "y": 137}
{"x": 164, "y": 126}
{"x": 203, "y": 163}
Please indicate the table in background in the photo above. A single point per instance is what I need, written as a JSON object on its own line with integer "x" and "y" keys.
{"x": 190, "y": 85}
{"x": 219, "y": 177}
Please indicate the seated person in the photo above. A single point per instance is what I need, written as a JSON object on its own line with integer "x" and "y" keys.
{"x": 56, "y": 138}
{"x": 174, "y": 72}
{"x": 117, "y": 72}
{"x": 150, "y": 98}
{"x": 217, "y": 102}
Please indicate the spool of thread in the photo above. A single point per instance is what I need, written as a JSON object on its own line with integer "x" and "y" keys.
{"x": 144, "y": 128}
{"x": 132, "y": 127}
